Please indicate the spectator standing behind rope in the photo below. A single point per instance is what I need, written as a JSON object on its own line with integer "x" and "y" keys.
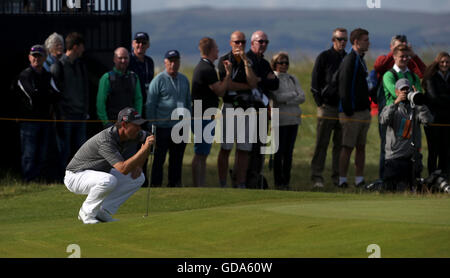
{"x": 38, "y": 93}
{"x": 267, "y": 81}
{"x": 118, "y": 89}
{"x": 55, "y": 49}
{"x": 326, "y": 96}
{"x": 354, "y": 108}
{"x": 436, "y": 83}
{"x": 207, "y": 88}
{"x": 286, "y": 98}
{"x": 238, "y": 95}
{"x": 168, "y": 91}
{"x": 71, "y": 77}
{"x": 144, "y": 67}
{"x": 142, "y": 64}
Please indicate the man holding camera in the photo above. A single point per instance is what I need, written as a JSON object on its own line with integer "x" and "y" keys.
{"x": 108, "y": 169}
{"x": 403, "y": 118}
{"x": 238, "y": 95}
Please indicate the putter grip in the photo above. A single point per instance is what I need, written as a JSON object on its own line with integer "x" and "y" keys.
{"x": 152, "y": 148}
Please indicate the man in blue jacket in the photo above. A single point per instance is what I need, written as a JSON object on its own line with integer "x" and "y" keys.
{"x": 354, "y": 107}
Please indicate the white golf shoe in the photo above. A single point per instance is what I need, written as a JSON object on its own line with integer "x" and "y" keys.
{"x": 87, "y": 219}
{"x": 104, "y": 216}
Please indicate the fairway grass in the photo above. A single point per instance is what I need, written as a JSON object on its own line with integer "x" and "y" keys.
{"x": 224, "y": 223}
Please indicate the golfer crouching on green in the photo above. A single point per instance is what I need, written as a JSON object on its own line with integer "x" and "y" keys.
{"x": 107, "y": 167}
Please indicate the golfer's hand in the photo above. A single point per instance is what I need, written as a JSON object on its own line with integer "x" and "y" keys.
{"x": 149, "y": 141}
{"x": 136, "y": 173}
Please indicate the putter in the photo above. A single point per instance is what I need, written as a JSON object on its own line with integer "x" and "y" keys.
{"x": 152, "y": 151}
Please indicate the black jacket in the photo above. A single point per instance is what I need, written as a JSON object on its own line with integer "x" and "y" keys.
{"x": 37, "y": 94}
{"x": 238, "y": 75}
{"x": 353, "y": 88}
{"x": 325, "y": 66}
{"x": 438, "y": 96}
{"x": 262, "y": 68}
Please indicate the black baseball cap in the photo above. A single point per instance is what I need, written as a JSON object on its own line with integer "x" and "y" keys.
{"x": 130, "y": 115}
{"x": 172, "y": 54}
{"x": 38, "y": 49}
{"x": 141, "y": 36}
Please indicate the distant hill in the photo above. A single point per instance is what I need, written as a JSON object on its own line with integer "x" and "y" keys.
{"x": 301, "y": 32}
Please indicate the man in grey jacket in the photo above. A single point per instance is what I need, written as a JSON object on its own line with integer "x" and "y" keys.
{"x": 402, "y": 119}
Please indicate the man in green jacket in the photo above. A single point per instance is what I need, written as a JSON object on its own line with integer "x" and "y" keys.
{"x": 401, "y": 54}
{"x": 118, "y": 89}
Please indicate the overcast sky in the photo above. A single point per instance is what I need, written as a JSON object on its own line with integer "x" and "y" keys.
{"x": 409, "y": 5}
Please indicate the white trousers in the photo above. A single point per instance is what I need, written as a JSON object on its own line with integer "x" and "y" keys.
{"x": 106, "y": 190}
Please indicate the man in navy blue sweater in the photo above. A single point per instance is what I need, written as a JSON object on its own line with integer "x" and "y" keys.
{"x": 354, "y": 107}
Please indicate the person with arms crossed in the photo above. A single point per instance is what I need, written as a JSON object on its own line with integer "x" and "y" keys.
{"x": 286, "y": 98}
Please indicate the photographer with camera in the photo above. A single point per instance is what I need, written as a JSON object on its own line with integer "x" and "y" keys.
{"x": 402, "y": 119}
{"x": 107, "y": 167}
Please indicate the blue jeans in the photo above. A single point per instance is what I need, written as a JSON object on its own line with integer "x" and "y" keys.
{"x": 71, "y": 136}
{"x": 34, "y": 138}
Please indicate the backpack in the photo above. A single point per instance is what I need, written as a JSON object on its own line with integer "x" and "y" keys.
{"x": 374, "y": 86}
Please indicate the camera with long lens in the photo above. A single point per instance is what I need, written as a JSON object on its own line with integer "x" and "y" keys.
{"x": 442, "y": 184}
{"x": 438, "y": 182}
{"x": 416, "y": 98}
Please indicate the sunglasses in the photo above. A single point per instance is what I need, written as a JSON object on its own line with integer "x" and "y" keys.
{"x": 240, "y": 42}
{"x": 37, "y": 55}
{"x": 340, "y": 39}
{"x": 263, "y": 41}
{"x": 283, "y": 63}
